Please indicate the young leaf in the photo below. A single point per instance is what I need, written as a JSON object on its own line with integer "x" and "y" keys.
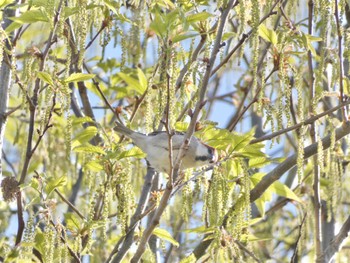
{"x": 267, "y": 34}
{"x": 142, "y": 79}
{"x": 76, "y": 77}
{"x": 73, "y": 223}
{"x": 46, "y": 77}
{"x": 84, "y": 136}
{"x": 31, "y": 16}
{"x": 94, "y": 166}
{"x": 133, "y": 83}
{"x": 88, "y": 148}
{"x": 133, "y": 152}
{"x": 55, "y": 183}
{"x": 180, "y": 37}
{"x": 165, "y": 235}
{"x": 198, "y": 17}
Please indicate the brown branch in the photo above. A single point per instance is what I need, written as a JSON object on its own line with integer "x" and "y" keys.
{"x": 291, "y": 161}
{"x": 336, "y": 242}
{"x": 299, "y": 125}
{"x": 70, "y": 204}
{"x": 295, "y": 254}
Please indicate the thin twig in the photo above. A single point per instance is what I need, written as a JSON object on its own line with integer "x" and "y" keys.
{"x": 70, "y": 204}
{"x": 295, "y": 254}
{"x": 299, "y": 125}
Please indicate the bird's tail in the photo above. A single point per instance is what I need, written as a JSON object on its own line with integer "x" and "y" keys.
{"x": 120, "y": 128}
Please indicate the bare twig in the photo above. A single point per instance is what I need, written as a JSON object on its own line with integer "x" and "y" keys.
{"x": 70, "y": 204}
{"x": 299, "y": 125}
{"x": 295, "y": 254}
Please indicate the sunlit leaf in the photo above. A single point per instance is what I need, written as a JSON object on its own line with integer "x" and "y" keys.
{"x": 267, "y": 34}
{"x": 55, "y": 183}
{"x": 46, "y": 77}
{"x": 165, "y": 235}
{"x": 84, "y": 136}
{"x": 200, "y": 230}
{"x": 31, "y": 16}
{"x": 142, "y": 79}
{"x": 180, "y": 37}
{"x": 73, "y": 222}
{"x": 40, "y": 242}
{"x": 198, "y": 17}
{"x": 133, "y": 83}
{"x": 94, "y": 166}
{"x": 258, "y": 162}
{"x": 77, "y": 77}
{"x": 181, "y": 126}
{"x": 277, "y": 187}
{"x": 88, "y": 148}
{"x": 251, "y": 237}
{"x": 133, "y": 152}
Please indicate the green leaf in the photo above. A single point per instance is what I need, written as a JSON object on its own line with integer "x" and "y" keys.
{"x": 12, "y": 27}
{"x": 94, "y": 166}
{"x": 73, "y": 222}
{"x": 80, "y": 120}
{"x": 77, "y": 77}
{"x": 55, "y": 183}
{"x": 69, "y": 11}
{"x": 258, "y": 162}
{"x": 198, "y": 17}
{"x": 277, "y": 187}
{"x": 200, "y": 230}
{"x": 142, "y": 79}
{"x": 84, "y": 136}
{"x": 165, "y": 235}
{"x": 180, "y": 37}
{"x": 218, "y": 138}
{"x": 189, "y": 259}
{"x": 267, "y": 34}
{"x": 31, "y": 16}
{"x": 4, "y": 3}
{"x": 88, "y": 148}
{"x": 133, "y": 83}
{"x": 46, "y": 77}
{"x": 40, "y": 242}
{"x": 251, "y": 237}
{"x": 133, "y": 152}
{"x": 110, "y": 6}
{"x": 181, "y": 126}
{"x": 240, "y": 141}
{"x": 283, "y": 190}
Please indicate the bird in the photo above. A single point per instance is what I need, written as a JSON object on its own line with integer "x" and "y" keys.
{"x": 156, "y": 147}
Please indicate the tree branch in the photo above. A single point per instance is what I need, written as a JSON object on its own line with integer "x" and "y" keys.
{"x": 337, "y": 241}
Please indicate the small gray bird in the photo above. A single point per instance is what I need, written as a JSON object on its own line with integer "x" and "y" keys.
{"x": 156, "y": 146}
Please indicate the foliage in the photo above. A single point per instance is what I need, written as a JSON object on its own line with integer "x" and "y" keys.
{"x": 260, "y": 81}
